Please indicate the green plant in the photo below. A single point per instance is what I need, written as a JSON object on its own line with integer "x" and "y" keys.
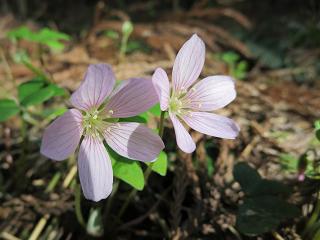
{"x": 312, "y": 227}
{"x": 127, "y": 29}
{"x": 264, "y": 206}
{"x": 46, "y": 36}
{"x": 237, "y": 67}
{"x": 30, "y": 93}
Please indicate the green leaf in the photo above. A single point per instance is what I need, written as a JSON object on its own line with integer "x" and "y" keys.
{"x": 111, "y": 34}
{"x": 127, "y": 170}
{"x": 8, "y": 108}
{"x": 55, "y": 45}
{"x": 47, "y": 34}
{"x": 246, "y": 176}
{"x": 240, "y": 71}
{"x": 161, "y": 164}
{"x": 53, "y": 113}
{"x": 270, "y": 187}
{"x": 37, "y": 91}
{"x": 39, "y": 97}
{"x": 142, "y": 118}
{"x": 155, "y": 110}
{"x": 58, "y": 91}
{"x": 263, "y": 214}
{"x": 253, "y": 185}
{"x": 230, "y": 57}
{"x": 27, "y": 88}
{"x": 21, "y": 33}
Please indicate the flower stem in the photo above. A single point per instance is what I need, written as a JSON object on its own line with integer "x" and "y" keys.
{"x": 125, "y": 205}
{"x": 146, "y": 174}
{"x": 78, "y": 205}
{"x": 111, "y": 198}
{"x": 161, "y": 125}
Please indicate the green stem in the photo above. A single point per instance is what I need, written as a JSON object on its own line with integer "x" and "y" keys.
{"x": 110, "y": 199}
{"x": 313, "y": 217}
{"x": 146, "y": 174}
{"x": 22, "y": 163}
{"x": 23, "y": 132}
{"x": 123, "y": 47}
{"x": 36, "y": 71}
{"x": 125, "y": 205}
{"x": 78, "y": 206}
{"x": 161, "y": 124}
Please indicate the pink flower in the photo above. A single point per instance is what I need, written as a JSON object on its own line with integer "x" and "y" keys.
{"x": 191, "y": 102}
{"x": 97, "y": 120}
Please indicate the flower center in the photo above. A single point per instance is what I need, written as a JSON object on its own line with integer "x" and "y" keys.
{"x": 178, "y": 103}
{"x": 175, "y": 104}
{"x": 93, "y": 124}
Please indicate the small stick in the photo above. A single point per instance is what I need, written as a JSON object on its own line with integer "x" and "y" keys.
{"x": 70, "y": 176}
{"x": 8, "y": 236}
{"x": 39, "y": 227}
{"x": 277, "y": 236}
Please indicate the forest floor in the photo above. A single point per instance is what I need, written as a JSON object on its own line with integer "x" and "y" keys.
{"x": 276, "y": 106}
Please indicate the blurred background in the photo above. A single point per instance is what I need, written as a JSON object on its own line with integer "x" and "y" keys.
{"x": 270, "y": 47}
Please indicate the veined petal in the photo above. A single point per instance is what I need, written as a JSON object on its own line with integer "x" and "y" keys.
{"x": 212, "y": 124}
{"x": 95, "y": 169}
{"x": 96, "y": 86}
{"x": 161, "y": 83}
{"x": 211, "y": 93}
{"x": 184, "y": 139}
{"x": 188, "y": 63}
{"x": 132, "y": 98}
{"x": 133, "y": 141}
{"x": 62, "y": 136}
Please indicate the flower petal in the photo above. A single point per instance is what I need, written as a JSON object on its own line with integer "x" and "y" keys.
{"x": 134, "y": 141}
{"x": 161, "y": 83}
{"x": 62, "y": 136}
{"x": 96, "y": 86}
{"x": 132, "y": 98}
{"x": 184, "y": 139}
{"x": 188, "y": 64}
{"x": 212, "y": 124}
{"x": 95, "y": 169}
{"x": 211, "y": 93}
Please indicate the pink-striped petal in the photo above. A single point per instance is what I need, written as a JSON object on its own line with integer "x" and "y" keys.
{"x": 134, "y": 97}
{"x": 161, "y": 83}
{"x": 133, "y": 141}
{"x": 184, "y": 139}
{"x": 188, "y": 63}
{"x": 95, "y": 169}
{"x": 211, "y": 93}
{"x": 96, "y": 86}
{"x": 212, "y": 124}
{"x": 62, "y": 136}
